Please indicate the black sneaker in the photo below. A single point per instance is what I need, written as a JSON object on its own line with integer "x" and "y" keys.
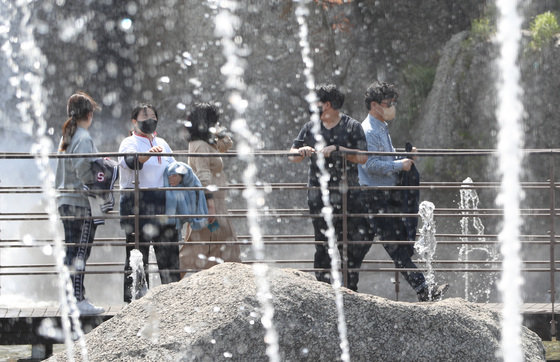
{"x": 437, "y": 293}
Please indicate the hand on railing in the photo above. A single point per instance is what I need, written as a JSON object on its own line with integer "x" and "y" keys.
{"x": 155, "y": 149}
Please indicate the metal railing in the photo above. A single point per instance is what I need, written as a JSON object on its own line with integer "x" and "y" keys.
{"x": 547, "y": 237}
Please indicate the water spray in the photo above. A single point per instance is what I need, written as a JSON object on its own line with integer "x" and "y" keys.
{"x": 227, "y": 23}
{"x": 139, "y": 284}
{"x": 27, "y": 63}
{"x": 509, "y": 113}
{"x": 302, "y": 12}
{"x": 426, "y": 244}
{"x": 469, "y": 201}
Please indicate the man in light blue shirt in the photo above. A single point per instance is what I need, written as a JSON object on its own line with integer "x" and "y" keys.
{"x": 382, "y": 170}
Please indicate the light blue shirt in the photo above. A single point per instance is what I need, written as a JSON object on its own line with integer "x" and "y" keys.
{"x": 379, "y": 170}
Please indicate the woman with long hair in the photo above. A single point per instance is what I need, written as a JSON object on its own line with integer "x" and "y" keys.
{"x": 71, "y": 176}
{"x": 206, "y": 136}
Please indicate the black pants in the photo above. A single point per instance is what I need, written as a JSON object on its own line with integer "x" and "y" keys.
{"x": 150, "y": 230}
{"x": 357, "y": 230}
{"x": 79, "y": 232}
{"x": 393, "y": 228}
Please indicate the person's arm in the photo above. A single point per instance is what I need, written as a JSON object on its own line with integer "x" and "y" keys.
{"x": 358, "y": 157}
{"x": 299, "y": 149}
{"x": 300, "y": 153}
{"x": 376, "y": 164}
{"x": 224, "y": 144}
{"x": 357, "y": 143}
{"x": 82, "y": 165}
{"x": 354, "y": 158}
{"x": 129, "y": 161}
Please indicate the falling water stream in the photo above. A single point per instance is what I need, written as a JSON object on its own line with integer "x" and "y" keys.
{"x": 27, "y": 64}
{"x": 138, "y": 275}
{"x": 302, "y": 12}
{"x": 509, "y": 113}
{"x": 226, "y": 25}
{"x": 426, "y": 244}
{"x": 468, "y": 204}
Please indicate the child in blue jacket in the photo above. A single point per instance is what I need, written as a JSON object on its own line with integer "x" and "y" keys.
{"x": 184, "y": 202}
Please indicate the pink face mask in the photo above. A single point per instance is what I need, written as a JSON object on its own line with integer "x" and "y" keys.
{"x": 389, "y": 113}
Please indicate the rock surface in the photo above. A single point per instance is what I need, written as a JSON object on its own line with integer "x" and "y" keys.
{"x": 214, "y": 315}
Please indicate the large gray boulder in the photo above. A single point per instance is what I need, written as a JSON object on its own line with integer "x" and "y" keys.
{"x": 214, "y": 315}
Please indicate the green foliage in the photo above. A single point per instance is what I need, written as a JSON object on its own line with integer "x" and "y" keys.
{"x": 482, "y": 28}
{"x": 543, "y": 28}
{"x": 419, "y": 80}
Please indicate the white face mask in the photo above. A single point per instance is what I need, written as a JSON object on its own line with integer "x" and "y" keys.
{"x": 389, "y": 113}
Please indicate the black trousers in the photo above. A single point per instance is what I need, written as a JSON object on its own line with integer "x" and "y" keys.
{"x": 163, "y": 236}
{"x": 393, "y": 228}
{"x": 357, "y": 230}
{"x": 79, "y": 232}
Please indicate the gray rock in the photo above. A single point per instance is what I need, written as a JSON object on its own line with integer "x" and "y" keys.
{"x": 214, "y": 315}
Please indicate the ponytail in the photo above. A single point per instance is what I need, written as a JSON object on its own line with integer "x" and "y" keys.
{"x": 68, "y": 130}
{"x": 78, "y": 108}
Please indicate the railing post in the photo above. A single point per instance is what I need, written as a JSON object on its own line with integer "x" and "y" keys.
{"x": 397, "y": 285}
{"x": 344, "y": 190}
{"x": 552, "y": 244}
{"x": 136, "y": 203}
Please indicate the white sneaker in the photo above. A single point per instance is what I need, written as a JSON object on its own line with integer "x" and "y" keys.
{"x": 86, "y": 308}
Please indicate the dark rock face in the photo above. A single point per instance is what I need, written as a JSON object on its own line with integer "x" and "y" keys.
{"x": 214, "y": 315}
{"x": 90, "y": 46}
{"x": 459, "y": 113}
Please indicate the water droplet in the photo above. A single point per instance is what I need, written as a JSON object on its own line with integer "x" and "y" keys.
{"x": 112, "y": 69}
{"x": 194, "y": 81}
{"x": 47, "y": 249}
{"x": 27, "y": 239}
{"x": 126, "y": 24}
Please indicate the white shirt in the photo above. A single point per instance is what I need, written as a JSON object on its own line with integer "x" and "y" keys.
{"x": 151, "y": 174}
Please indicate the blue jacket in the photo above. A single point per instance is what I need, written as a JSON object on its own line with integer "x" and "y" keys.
{"x": 184, "y": 202}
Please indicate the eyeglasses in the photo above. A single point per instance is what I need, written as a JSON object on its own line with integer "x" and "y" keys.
{"x": 389, "y": 103}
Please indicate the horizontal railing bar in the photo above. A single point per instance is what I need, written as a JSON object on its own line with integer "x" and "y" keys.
{"x": 399, "y": 152}
{"x": 437, "y": 211}
{"x": 265, "y": 215}
{"x": 18, "y": 190}
{"x": 458, "y": 270}
{"x": 461, "y": 212}
{"x": 311, "y": 236}
{"x": 295, "y": 261}
{"x": 275, "y": 242}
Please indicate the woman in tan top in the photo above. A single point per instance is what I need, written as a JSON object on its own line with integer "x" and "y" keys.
{"x": 205, "y": 137}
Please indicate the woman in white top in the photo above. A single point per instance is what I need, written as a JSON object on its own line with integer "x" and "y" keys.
{"x": 152, "y": 202}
